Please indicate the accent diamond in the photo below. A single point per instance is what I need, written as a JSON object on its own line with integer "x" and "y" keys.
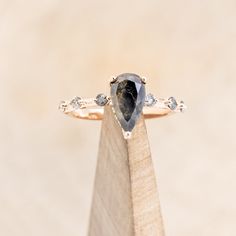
{"x": 182, "y": 107}
{"x": 128, "y": 97}
{"x": 150, "y": 100}
{"x": 101, "y": 99}
{"x": 76, "y": 103}
{"x": 172, "y": 103}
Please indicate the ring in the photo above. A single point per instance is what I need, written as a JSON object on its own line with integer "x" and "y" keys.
{"x": 128, "y": 99}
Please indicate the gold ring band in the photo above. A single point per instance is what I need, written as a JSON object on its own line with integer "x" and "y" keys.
{"x": 87, "y": 109}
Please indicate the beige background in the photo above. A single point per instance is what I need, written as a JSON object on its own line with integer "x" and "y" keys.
{"x": 52, "y": 50}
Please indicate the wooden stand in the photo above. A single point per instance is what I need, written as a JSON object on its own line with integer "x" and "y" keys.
{"x": 125, "y": 201}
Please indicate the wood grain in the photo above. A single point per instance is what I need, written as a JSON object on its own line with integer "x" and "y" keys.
{"x": 125, "y": 200}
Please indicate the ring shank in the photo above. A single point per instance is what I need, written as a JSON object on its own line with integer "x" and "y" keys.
{"x": 98, "y": 112}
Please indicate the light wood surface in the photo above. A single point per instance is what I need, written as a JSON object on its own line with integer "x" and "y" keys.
{"x": 125, "y": 200}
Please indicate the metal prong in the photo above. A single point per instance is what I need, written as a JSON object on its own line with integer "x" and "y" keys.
{"x": 182, "y": 107}
{"x": 109, "y": 101}
{"x": 144, "y": 80}
{"x": 127, "y": 134}
{"x": 62, "y": 106}
{"x": 113, "y": 80}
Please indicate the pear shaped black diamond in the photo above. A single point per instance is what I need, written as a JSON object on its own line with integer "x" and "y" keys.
{"x": 128, "y": 97}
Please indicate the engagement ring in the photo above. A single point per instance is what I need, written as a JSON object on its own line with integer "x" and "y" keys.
{"x": 128, "y": 99}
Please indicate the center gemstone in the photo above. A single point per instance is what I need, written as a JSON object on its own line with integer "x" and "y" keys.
{"x": 128, "y": 97}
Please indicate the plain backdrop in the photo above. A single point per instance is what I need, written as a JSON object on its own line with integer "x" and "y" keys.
{"x": 53, "y": 50}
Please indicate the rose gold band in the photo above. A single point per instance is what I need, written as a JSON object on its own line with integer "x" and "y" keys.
{"x": 88, "y": 109}
{"x": 97, "y": 113}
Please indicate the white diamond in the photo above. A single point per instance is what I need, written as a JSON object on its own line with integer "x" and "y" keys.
{"x": 62, "y": 106}
{"x": 182, "y": 106}
{"x": 172, "y": 103}
{"x": 101, "y": 99}
{"x": 150, "y": 100}
{"x": 75, "y": 103}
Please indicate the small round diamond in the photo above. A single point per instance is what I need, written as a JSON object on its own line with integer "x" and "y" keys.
{"x": 172, "y": 103}
{"x": 75, "y": 103}
{"x": 62, "y": 106}
{"x": 101, "y": 99}
{"x": 150, "y": 100}
{"x": 182, "y": 106}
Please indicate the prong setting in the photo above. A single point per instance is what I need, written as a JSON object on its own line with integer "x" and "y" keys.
{"x": 172, "y": 104}
{"x": 76, "y": 102}
{"x": 127, "y": 134}
{"x": 144, "y": 80}
{"x": 62, "y": 106}
{"x": 113, "y": 80}
{"x": 101, "y": 99}
{"x": 182, "y": 106}
{"x": 150, "y": 100}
